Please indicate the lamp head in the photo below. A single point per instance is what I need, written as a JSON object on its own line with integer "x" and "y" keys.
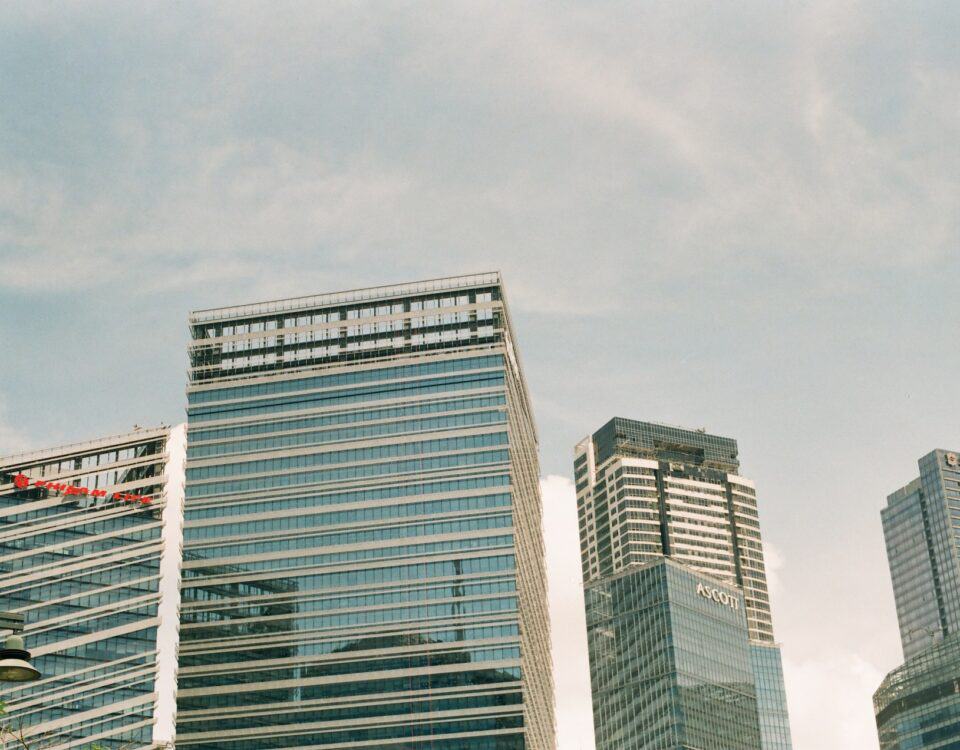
{"x": 15, "y": 662}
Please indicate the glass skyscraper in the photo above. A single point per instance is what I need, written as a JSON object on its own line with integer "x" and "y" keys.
{"x": 646, "y": 491}
{"x": 670, "y": 663}
{"x": 81, "y": 540}
{"x": 923, "y": 551}
{"x": 363, "y": 559}
{"x": 918, "y": 704}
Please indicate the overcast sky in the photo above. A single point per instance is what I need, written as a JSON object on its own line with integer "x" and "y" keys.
{"x": 735, "y": 215}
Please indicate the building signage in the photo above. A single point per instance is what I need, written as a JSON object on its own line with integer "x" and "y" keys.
{"x": 719, "y": 596}
{"x": 952, "y": 459}
{"x": 21, "y": 482}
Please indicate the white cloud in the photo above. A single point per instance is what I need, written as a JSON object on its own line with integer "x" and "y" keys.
{"x": 773, "y": 563}
{"x": 319, "y": 138}
{"x": 830, "y": 701}
{"x": 12, "y": 439}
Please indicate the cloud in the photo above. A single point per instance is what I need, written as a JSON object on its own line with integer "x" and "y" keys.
{"x": 12, "y": 439}
{"x": 830, "y": 701}
{"x": 773, "y": 563}
{"x": 323, "y": 137}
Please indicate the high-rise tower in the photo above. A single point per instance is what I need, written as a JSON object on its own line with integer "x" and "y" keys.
{"x": 647, "y": 491}
{"x": 923, "y": 551}
{"x": 363, "y": 552}
{"x": 918, "y": 704}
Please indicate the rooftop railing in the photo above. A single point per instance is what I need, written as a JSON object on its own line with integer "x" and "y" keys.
{"x": 339, "y": 298}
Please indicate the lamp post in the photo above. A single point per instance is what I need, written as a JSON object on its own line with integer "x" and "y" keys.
{"x": 15, "y": 663}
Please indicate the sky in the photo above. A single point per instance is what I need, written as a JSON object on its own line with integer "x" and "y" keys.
{"x": 740, "y": 216}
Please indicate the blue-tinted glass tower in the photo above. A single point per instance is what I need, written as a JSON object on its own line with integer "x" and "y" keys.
{"x": 918, "y": 704}
{"x": 923, "y": 551}
{"x": 670, "y": 663}
{"x": 363, "y": 564}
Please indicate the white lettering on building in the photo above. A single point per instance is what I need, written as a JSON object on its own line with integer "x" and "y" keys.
{"x": 719, "y": 596}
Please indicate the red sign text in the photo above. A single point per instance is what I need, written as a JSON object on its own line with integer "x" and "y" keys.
{"x": 22, "y": 481}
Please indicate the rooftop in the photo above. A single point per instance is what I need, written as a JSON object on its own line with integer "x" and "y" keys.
{"x": 139, "y": 434}
{"x": 368, "y": 294}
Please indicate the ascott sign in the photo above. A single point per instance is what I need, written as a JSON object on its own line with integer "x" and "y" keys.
{"x": 21, "y": 482}
{"x": 719, "y": 596}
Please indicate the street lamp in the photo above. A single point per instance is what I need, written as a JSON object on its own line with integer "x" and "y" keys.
{"x": 15, "y": 663}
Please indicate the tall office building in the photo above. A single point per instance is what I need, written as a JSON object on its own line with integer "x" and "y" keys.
{"x": 362, "y": 540}
{"x": 918, "y": 704}
{"x": 83, "y": 529}
{"x": 922, "y": 550}
{"x": 647, "y": 491}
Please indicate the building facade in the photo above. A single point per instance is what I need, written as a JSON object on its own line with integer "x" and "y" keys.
{"x": 670, "y": 664}
{"x": 922, "y": 542}
{"x": 646, "y": 491}
{"x": 918, "y": 704}
{"x": 363, "y": 559}
{"x": 82, "y": 534}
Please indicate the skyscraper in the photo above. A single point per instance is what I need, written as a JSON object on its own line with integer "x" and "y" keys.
{"x": 922, "y": 541}
{"x": 363, "y": 551}
{"x": 82, "y": 531}
{"x": 647, "y": 491}
{"x": 918, "y": 704}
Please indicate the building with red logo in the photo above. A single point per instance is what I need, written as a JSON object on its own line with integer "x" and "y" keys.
{"x": 83, "y": 529}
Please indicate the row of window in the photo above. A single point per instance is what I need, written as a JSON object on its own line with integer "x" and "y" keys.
{"x": 368, "y": 393}
{"x": 214, "y": 567}
{"x": 336, "y": 498}
{"x": 302, "y": 624}
{"x": 229, "y": 610}
{"x": 368, "y": 344}
{"x": 196, "y": 591}
{"x": 358, "y": 667}
{"x": 347, "y": 473}
{"x": 367, "y": 710}
{"x": 345, "y": 434}
{"x": 356, "y": 515}
{"x": 349, "y": 455}
{"x": 376, "y": 534}
{"x": 345, "y": 378}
